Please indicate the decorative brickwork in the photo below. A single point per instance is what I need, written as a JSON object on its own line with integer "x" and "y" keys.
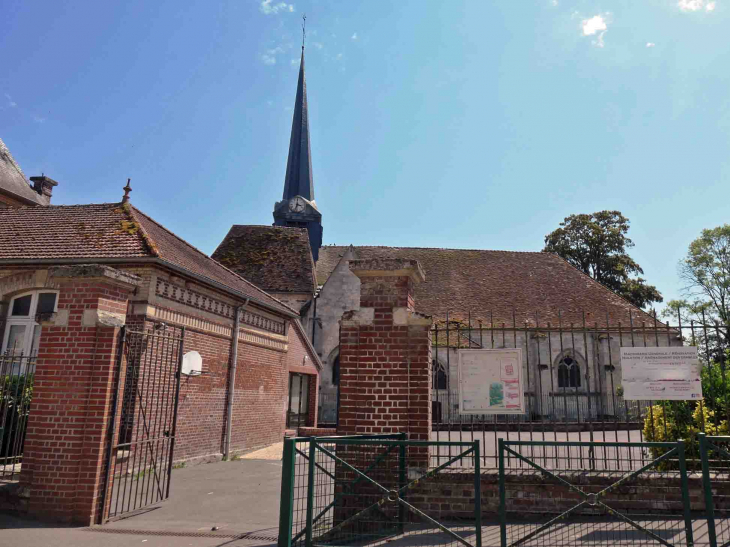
{"x": 168, "y": 290}
{"x": 385, "y": 354}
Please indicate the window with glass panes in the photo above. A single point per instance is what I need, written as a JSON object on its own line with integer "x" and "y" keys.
{"x": 22, "y": 331}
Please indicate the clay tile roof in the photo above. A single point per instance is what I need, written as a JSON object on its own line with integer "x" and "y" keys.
{"x": 13, "y": 181}
{"x": 494, "y": 284}
{"x": 110, "y": 231}
{"x": 274, "y": 258}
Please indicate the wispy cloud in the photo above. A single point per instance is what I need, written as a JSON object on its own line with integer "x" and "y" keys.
{"x": 650, "y": 44}
{"x": 696, "y": 5}
{"x": 11, "y": 102}
{"x": 339, "y": 57}
{"x": 267, "y": 7}
{"x": 595, "y": 26}
{"x": 38, "y": 119}
{"x": 354, "y": 36}
{"x": 269, "y": 57}
{"x": 318, "y": 45}
{"x": 294, "y": 62}
{"x": 554, "y": 3}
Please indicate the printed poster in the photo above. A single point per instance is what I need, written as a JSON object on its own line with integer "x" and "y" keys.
{"x": 490, "y": 381}
{"x": 654, "y": 374}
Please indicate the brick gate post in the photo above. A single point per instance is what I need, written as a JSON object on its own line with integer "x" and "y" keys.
{"x": 64, "y": 454}
{"x": 385, "y": 354}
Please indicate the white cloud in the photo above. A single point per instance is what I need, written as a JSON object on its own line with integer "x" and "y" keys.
{"x": 696, "y": 5}
{"x": 294, "y": 62}
{"x": 339, "y": 57}
{"x": 318, "y": 45}
{"x": 38, "y": 119}
{"x": 553, "y": 3}
{"x": 595, "y": 26}
{"x": 11, "y": 102}
{"x": 650, "y": 44}
{"x": 354, "y": 36}
{"x": 267, "y": 7}
{"x": 269, "y": 58}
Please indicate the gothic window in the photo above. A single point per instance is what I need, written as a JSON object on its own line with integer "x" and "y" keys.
{"x": 22, "y": 331}
{"x": 336, "y": 371}
{"x": 568, "y": 372}
{"x": 440, "y": 380}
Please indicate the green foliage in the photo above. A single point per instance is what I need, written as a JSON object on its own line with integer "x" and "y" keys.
{"x": 705, "y": 269}
{"x": 671, "y": 421}
{"x": 596, "y": 244}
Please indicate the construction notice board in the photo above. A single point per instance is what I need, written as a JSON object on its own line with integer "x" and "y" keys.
{"x": 655, "y": 374}
{"x": 490, "y": 381}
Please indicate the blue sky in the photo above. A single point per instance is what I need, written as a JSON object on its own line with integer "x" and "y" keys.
{"x": 464, "y": 124}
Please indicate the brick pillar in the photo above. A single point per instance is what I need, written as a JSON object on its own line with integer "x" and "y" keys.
{"x": 64, "y": 455}
{"x": 385, "y": 354}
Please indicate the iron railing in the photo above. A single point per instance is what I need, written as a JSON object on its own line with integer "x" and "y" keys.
{"x": 572, "y": 379}
{"x": 17, "y": 372}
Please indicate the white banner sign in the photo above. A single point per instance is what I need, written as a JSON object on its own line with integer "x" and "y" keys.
{"x": 490, "y": 381}
{"x": 661, "y": 374}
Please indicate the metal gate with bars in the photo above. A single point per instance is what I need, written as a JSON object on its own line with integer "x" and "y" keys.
{"x": 364, "y": 490}
{"x": 549, "y": 496}
{"x": 144, "y": 419}
{"x": 17, "y": 373}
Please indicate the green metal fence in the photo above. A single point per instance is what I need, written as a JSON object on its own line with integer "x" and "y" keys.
{"x": 556, "y": 501}
{"x": 715, "y": 456}
{"x": 294, "y": 483}
{"x": 358, "y": 490}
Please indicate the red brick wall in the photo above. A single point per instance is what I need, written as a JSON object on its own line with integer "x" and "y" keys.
{"x": 260, "y": 398}
{"x": 71, "y": 407}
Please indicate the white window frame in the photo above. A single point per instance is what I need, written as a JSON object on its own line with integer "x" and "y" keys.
{"x": 28, "y": 320}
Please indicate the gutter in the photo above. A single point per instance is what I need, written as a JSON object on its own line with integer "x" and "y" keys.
{"x": 154, "y": 260}
{"x": 232, "y": 380}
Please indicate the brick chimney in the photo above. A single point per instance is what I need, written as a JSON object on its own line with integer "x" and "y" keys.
{"x": 43, "y": 185}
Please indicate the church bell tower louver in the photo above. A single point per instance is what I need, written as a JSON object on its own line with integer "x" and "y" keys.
{"x": 297, "y": 207}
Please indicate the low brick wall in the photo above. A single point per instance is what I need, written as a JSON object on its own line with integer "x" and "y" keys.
{"x": 317, "y": 432}
{"x": 451, "y": 494}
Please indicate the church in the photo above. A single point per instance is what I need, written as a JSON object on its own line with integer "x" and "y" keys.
{"x": 469, "y": 290}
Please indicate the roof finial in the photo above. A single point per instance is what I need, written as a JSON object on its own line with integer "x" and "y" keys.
{"x": 304, "y": 30}
{"x": 126, "y": 189}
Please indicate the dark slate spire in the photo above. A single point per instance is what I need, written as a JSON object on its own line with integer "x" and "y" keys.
{"x": 298, "y": 180}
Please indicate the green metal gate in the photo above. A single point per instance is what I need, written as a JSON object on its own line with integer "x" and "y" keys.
{"x": 365, "y": 490}
{"x": 631, "y": 494}
{"x": 715, "y": 457}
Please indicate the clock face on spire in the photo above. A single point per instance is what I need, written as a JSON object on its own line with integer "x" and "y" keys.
{"x": 297, "y": 204}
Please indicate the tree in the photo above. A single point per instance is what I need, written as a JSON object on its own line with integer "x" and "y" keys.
{"x": 705, "y": 271}
{"x": 596, "y": 244}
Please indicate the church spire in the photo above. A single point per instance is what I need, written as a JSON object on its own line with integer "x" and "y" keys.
{"x": 297, "y": 209}
{"x": 298, "y": 181}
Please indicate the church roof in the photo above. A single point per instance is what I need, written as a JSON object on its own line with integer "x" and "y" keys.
{"x": 274, "y": 258}
{"x": 491, "y": 285}
{"x": 298, "y": 181}
{"x": 112, "y": 232}
{"x": 13, "y": 181}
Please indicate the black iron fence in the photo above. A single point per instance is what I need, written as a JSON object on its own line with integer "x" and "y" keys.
{"x": 17, "y": 373}
{"x": 572, "y": 381}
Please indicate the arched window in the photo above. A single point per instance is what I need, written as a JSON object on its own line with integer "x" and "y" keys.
{"x": 568, "y": 372}
{"x": 336, "y": 372}
{"x": 440, "y": 380}
{"x": 22, "y": 331}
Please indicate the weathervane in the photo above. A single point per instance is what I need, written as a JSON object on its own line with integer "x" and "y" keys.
{"x": 304, "y": 30}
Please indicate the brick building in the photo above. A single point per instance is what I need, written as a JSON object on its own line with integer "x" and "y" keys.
{"x": 67, "y": 289}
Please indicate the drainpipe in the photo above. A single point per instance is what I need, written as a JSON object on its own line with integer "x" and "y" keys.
{"x": 232, "y": 382}
{"x": 314, "y": 319}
